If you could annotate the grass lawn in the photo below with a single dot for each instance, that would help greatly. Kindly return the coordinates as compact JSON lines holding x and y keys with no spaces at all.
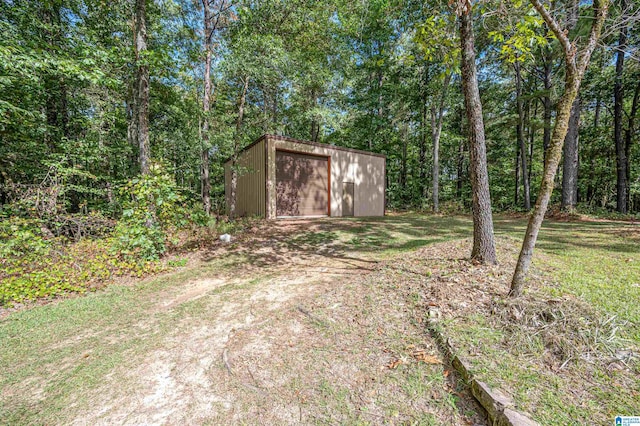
{"x":567,"y":351}
{"x":293,"y":319}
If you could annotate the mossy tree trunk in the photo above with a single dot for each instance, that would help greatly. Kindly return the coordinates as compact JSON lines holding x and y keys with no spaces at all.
{"x":575,"y":66}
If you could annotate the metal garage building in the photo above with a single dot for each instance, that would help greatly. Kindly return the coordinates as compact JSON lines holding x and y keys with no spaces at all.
{"x":284,"y":177}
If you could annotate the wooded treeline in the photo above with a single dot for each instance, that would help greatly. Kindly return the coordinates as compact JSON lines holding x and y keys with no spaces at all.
{"x":76,"y":77}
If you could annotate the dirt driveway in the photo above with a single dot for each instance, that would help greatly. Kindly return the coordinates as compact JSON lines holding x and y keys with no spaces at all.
{"x":289,"y":324}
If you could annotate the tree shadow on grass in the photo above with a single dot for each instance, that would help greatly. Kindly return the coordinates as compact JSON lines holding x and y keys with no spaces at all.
{"x":359,"y":242}
{"x":560,"y":236}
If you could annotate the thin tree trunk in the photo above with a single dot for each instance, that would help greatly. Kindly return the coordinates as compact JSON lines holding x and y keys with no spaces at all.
{"x":516,"y":196}
{"x":575,"y":66}
{"x":422,"y":154}
{"x":403,"y":160}
{"x":546,"y":102}
{"x":54,"y":86}
{"x":132,"y":113}
{"x":204,"y":153}
{"x":570,"y":163}
{"x":484,"y":250}
{"x":236,"y":149}
{"x":622,"y":161}
{"x":437,"y":116}
{"x":461,"y":157}
{"x":142,"y":87}
{"x":631,"y":128}
{"x":522,"y":145}
{"x":532,"y":136}
{"x":436,"y":128}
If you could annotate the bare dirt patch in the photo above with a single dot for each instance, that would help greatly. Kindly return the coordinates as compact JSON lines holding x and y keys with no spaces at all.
{"x":305,"y":334}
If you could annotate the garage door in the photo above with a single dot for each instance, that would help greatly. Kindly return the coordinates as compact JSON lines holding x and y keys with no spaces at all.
{"x":302,"y":184}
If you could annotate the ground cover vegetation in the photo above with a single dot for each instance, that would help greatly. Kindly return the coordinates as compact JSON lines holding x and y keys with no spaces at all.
{"x":323,"y":321}
{"x":116,"y":117}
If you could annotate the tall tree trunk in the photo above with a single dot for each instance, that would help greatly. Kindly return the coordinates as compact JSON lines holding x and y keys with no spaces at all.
{"x":522,"y":144}
{"x":516,"y":192}
{"x":403,"y":160}
{"x":484,"y":250}
{"x":142,"y":87}
{"x":575,"y":66}
{"x":422,"y":154}
{"x":437,"y":116}
{"x":570,"y":163}
{"x":204,"y":152}
{"x":532,"y":137}
{"x":236,"y":148}
{"x":436,"y":128}
{"x":460,"y":169}
{"x":631,"y":128}
{"x":622,"y":161}
{"x":132,"y":115}
{"x":55,"y":90}
{"x":546,"y":101}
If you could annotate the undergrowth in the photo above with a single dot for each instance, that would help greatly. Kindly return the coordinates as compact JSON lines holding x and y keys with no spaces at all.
{"x":157,"y":220}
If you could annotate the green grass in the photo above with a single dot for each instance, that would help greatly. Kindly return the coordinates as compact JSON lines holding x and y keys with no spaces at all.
{"x":62,"y":350}
{"x":599,"y":262}
{"x":594,"y":262}
{"x":52,"y":355}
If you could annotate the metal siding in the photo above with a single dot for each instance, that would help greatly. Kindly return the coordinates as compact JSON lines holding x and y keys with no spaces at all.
{"x":227,"y":186}
{"x":250,"y":193}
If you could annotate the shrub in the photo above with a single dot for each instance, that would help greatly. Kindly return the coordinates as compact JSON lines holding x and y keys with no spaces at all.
{"x":153,"y":206}
{"x":19,"y":236}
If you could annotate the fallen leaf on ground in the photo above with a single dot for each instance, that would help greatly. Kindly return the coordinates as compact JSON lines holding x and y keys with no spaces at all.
{"x":394,"y":364}
{"x":424,"y":357}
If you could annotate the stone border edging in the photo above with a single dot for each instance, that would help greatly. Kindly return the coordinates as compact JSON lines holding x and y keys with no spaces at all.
{"x":499,"y":406}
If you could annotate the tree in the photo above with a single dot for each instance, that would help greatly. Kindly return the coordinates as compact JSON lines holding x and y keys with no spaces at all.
{"x":437,"y":38}
{"x":570,"y":160}
{"x":213,"y":17}
{"x":571,"y":145}
{"x":484,"y":250}
{"x":237,"y":135}
{"x":522,"y":145}
{"x":622,"y":161}
{"x":142,"y":86}
{"x":204,"y":175}
{"x":576,"y":63}
{"x":437,"y":117}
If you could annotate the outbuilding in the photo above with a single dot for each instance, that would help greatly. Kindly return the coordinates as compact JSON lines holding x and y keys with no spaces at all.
{"x":282,"y":177}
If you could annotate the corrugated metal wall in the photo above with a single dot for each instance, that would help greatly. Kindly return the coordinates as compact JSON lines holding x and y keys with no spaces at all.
{"x":251,"y":182}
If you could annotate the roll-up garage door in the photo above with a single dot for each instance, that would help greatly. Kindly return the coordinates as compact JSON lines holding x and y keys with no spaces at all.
{"x":302,"y":184}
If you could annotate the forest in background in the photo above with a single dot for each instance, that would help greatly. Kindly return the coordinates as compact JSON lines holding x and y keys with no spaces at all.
{"x":115,"y":116}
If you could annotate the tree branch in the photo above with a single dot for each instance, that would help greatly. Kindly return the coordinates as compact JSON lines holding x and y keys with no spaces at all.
{"x":600,"y":9}
{"x":567,"y":47}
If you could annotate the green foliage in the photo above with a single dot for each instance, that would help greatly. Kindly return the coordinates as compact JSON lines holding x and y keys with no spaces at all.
{"x":28,"y":269}
{"x":152,"y":207}
{"x":436,"y":36}
{"x":363,"y":75}
{"x":522,"y":34}
{"x":20,"y":237}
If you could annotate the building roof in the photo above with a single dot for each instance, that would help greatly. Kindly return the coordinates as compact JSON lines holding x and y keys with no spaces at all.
{"x":318,"y":144}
